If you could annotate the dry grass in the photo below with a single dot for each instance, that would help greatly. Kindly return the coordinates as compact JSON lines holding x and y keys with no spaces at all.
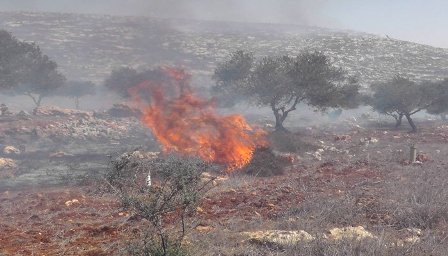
{"x":354,"y":185}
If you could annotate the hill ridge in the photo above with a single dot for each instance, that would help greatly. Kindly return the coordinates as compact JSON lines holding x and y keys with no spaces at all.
{"x":89,"y":46}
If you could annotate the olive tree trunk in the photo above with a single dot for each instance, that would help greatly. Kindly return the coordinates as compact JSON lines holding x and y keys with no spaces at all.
{"x":399,"y":120}
{"x":279,"y":119}
{"x":37,"y":100}
{"x":77,"y":102}
{"x":281,"y":113}
{"x":411,"y":122}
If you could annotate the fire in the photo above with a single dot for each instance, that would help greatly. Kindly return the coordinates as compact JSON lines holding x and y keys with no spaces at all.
{"x":185,"y":123}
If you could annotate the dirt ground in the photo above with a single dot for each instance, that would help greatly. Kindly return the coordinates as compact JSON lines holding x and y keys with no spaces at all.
{"x":353,"y":175}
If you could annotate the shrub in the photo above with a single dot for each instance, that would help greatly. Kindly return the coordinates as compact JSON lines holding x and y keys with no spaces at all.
{"x":166,"y":204}
{"x":265,"y":163}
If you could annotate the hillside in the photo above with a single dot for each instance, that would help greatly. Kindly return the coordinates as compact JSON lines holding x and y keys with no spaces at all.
{"x":90,"y":46}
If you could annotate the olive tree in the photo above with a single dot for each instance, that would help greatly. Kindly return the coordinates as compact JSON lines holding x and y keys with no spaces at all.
{"x":120,"y":80}
{"x":230,"y":74}
{"x":24,"y":69}
{"x":13,"y":56}
{"x":77,"y":90}
{"x":440,"y":107}
{"x":281,"y":83}
{"x":400,"y":97}
{"x":123,"y":79}
{"x":43,"y":80}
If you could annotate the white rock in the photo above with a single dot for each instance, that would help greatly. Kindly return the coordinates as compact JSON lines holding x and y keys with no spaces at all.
{"x":9,"y":150}
{"x":7,"y":163}
{"x":278,"y":237}
{"x":356,"y":233}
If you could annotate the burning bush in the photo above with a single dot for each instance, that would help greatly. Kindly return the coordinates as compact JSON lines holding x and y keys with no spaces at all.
{"x":187,"y":124}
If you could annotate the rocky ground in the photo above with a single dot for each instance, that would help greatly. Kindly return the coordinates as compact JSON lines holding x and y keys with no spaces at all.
{"x":348,"y":189}
{"x":60,"y":145}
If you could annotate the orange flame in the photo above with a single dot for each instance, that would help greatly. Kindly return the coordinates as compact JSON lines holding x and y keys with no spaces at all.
{"x":190,"y":125}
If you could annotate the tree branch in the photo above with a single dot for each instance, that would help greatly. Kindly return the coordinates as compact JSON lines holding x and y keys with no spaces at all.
{"x":293,"y":107}
{"x":32,"y":97}
{"x":418,"y":110}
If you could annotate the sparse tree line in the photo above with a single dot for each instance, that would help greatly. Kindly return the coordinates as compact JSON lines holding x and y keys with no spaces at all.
{"x":281,"y":82}
{"x":25,"y":70}
{"x":278,"y":82}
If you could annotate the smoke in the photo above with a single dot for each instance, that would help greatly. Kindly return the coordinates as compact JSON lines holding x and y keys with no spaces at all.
{"x":271,"y":11}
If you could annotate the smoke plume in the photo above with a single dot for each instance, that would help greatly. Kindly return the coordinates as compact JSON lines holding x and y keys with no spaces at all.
{"x":271,"y":11}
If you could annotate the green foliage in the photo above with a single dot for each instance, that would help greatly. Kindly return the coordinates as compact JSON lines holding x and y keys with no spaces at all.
{"x":400,"y":97}
{"x":77,"y":90}
{"x":283,"y":82}
{"x":16,"y":58}
{"x":121,"y":80}
{"x":25,"y":70}
{"x":175,"y":193}
{"x":271,"y":83}
{"x":440,"y":107}
{"x":231,"y":74}
{"x":235,"y":69}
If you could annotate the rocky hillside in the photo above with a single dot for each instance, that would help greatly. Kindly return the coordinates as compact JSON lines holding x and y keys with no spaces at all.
{"x":89,"y":46}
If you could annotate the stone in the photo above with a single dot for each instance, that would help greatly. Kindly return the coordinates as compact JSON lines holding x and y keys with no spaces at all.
{"x":343,"y":138}
{"x":7,"y":163}
{"x":216,"y":180}
{"x":199,"y":210}
{"x":72,"y":202}
{"x":316,"y":155}
{"x":368,"y":140}
{"x":357,"y":233}
{"x":204,"y":228}
{"x":59,"y":154}
{"x":4,"y":110}
{"x":56,"y":111}
{"x":278,"y":237}
{"x":23,"y":115}
{"x":422,"y":157}
{"x":413,"y":236}
{"x":11,"y":150}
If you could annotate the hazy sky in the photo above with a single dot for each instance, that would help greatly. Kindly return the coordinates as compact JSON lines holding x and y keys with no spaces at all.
{"x":423,"y":21}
